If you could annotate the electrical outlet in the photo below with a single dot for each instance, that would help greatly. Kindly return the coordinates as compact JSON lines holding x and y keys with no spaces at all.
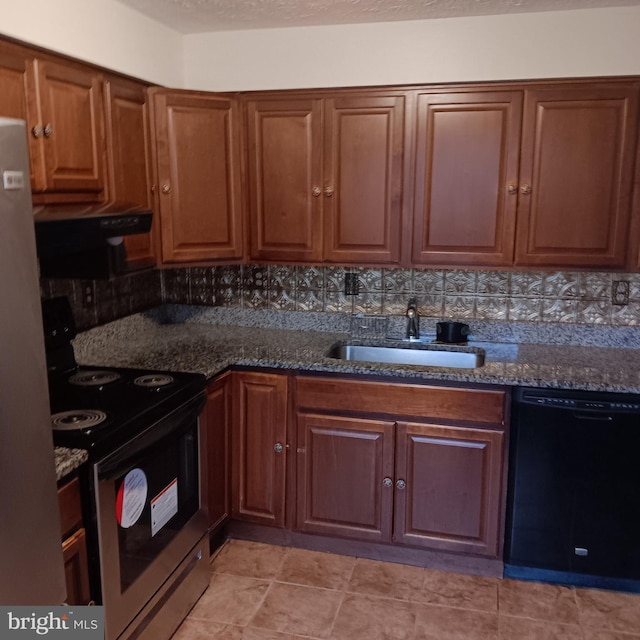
{"x":351,"y":284}
{"x":620,"y":292}
{"x":88,"y":294}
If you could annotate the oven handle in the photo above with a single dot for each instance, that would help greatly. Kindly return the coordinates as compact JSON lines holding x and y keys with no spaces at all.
{"x":172,"y":425}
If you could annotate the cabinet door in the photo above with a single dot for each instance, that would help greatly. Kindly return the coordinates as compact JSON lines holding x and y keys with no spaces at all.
{"x":198,"y":157}
{"x":259,"y":448}
{"x":449,"y":488}
{"x":76,"y":568}
{"x":128,"y":161}
{"x":285,"y":165}
{"x":576,"y":176}
{"x":74,"y":544}
{"x":218,"y":416}
{"x":73,"y":120}
{"x":18,"y":100}
{"x":362,"y":178}
{"x":345,"y":471}
{"x":466,"y":178}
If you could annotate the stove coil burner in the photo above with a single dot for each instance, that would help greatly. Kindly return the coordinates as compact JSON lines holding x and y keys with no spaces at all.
{"x":94,"y":378}
{"x":77,"y":419}
{"x":153,"y":380}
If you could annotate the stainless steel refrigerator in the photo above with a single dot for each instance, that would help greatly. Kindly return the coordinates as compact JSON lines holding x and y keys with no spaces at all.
{"x":31,"y":565}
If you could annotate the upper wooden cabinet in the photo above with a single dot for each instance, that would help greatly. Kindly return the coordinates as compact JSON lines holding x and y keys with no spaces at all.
{"x":539,"y":177}
{"x":71,"y":129}
{"x":197,"y":144}
{"x":467,"y":152}
{"x":17,"y":99}
{"x":62,"y":105}
{"x":576,"y":175}
{"x":285,"y":178}
{"x":325,"y":177}
{"x":128,"y":159}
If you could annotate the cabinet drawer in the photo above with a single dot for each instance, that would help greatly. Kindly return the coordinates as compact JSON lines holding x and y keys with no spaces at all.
{"x":70,"y":509}
{"x":407,"y":400}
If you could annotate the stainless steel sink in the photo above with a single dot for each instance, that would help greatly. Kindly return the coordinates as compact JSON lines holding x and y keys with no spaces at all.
{"x":424,"y":356}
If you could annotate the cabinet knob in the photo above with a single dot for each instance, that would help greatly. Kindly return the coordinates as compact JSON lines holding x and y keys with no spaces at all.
{"x":512,"y":189}
{"x":278,"y":448}
{"x":387,"y":482}
{"x":154,"y":188}
{"x":166,"y":188}
{"x":48,"y":130}
{"x":401,"y":484}
{"x":37,"y":131}
{"x":328,"y":192}
{"x":316,"y":191}
{"x":525,"y":189}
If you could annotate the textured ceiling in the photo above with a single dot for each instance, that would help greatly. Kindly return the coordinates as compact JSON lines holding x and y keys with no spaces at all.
{"x":194,"y":16}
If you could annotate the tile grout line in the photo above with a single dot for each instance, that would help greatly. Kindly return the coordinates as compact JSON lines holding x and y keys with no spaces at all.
{"x":268,"y":589}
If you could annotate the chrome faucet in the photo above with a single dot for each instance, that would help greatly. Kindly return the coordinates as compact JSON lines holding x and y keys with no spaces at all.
{"x":413,"y":320}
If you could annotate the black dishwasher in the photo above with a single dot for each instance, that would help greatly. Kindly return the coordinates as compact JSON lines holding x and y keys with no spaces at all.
{"x":573,"y":508}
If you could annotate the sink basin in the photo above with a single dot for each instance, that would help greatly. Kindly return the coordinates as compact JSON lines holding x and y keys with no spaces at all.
{"x":424,"y":357}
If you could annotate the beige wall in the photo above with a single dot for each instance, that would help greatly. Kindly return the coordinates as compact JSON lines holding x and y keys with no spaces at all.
{"x":537,"y":45}
{"x":103,"y":32}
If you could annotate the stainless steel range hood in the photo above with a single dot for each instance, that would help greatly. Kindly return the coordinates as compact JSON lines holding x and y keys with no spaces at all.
{"x":79,"y":241}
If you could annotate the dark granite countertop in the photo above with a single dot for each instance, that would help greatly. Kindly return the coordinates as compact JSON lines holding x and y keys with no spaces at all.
{"x":67,"y":460}
{"x":208,"y":340}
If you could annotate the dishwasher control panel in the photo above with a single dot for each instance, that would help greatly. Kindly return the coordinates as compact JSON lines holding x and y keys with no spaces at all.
{"x":580,"y":400}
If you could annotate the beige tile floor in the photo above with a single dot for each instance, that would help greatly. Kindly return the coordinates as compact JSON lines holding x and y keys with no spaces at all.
{"x":265,"y":592}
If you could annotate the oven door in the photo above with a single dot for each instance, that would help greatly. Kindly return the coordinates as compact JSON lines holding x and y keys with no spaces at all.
{"x":149,"y":512}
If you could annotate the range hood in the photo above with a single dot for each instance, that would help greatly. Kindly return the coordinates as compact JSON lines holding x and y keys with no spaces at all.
{"x":79,"y":241}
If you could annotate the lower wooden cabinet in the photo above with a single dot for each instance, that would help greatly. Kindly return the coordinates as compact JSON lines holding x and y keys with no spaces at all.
{"x":76,"y":568}
{"x":408,"y":464}
{"x":448,"y":487}
{"x":366,"y":471}
{"x":259,"y":446}
{"x":74,"y":545}
{"x":341,"y":466}
{"x":218,"y":417}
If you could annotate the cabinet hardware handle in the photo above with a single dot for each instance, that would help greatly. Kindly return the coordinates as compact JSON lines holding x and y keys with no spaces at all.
{"x":401,"y":484}
{"x":166,"y":189}
{"x":154,"y":188}
{"x":316,"y":191}
{"x":48,"y":130}
{"x":328,"y":192}
{"x":387,"y":482}
{"x":278,"y":448}
{"x":37,"y":131}
{"x":525,"y":189}
{"x":512,"y":189}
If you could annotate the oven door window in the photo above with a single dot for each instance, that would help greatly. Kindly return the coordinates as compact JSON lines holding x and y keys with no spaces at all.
{"x":156,"y":494}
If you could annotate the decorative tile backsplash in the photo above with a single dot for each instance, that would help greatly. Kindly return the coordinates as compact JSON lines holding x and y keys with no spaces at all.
{"x":568,"y":297}
{"x":114,"y":299}
{"x":529,"y":296}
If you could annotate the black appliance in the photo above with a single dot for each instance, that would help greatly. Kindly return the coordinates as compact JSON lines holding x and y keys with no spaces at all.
{"x":573,"y":512}
{"x":80,"y":241}
{"x":452,"y":332}
{"x":142,"y":489}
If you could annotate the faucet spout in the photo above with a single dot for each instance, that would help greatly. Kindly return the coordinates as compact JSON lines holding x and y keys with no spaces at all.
{"x":413,"y":320}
